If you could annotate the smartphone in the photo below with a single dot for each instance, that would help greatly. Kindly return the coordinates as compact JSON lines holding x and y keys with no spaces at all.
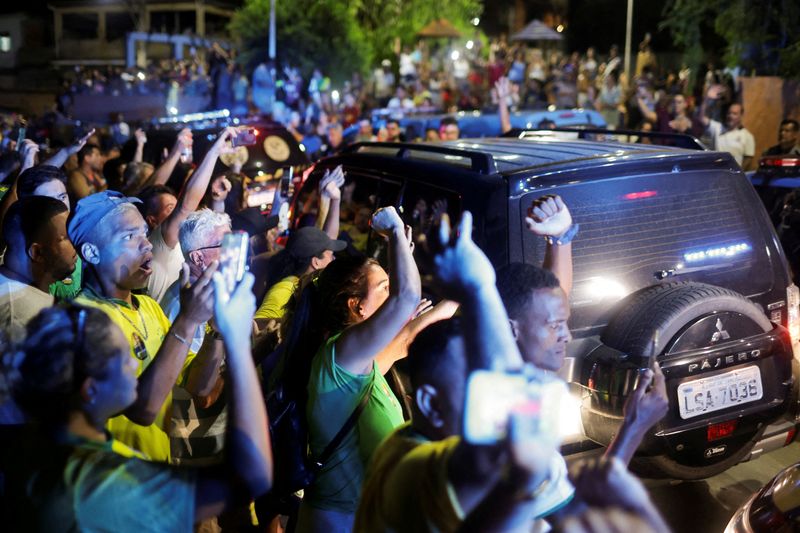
{"x":286,"y":181}
{"x":246,"y":137}
{"x":493,"y":396}
{"x":233,"y":258}
{"x":20,"y":137}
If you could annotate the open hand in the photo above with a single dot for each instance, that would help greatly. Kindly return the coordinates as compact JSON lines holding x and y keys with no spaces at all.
{"x":183,"y":141}
{"x":197,"y":299}
{"x":548,"y":216}
{"x":79,"y":143}
{"x":27,"y":152}
{"x":233,"y":312}
{"x":330,"y":186}
{"x":141,"y":137}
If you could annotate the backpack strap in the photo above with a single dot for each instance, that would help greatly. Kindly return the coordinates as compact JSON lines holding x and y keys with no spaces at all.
{"x":346,"y":428}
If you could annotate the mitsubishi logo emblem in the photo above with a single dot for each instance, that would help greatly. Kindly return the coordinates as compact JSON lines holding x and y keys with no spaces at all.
{"x":720,"y":334}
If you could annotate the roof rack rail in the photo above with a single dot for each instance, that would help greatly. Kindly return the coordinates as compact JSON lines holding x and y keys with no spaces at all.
{"x":480,"y":162}
{"x":679,"y":140}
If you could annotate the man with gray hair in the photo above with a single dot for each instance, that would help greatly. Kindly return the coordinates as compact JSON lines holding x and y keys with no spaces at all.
{"x":197,"y":429}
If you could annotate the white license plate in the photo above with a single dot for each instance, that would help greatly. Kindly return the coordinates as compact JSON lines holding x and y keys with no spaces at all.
{"x":711,"y":394}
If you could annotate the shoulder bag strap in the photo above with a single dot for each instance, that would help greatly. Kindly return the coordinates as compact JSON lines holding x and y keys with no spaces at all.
{"x":346,"y":428}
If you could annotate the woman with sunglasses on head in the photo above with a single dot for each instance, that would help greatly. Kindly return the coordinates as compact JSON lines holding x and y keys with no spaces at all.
{"x":68,"y":474}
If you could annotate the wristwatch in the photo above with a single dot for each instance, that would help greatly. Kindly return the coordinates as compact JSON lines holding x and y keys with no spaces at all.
{"x":565,"y":238}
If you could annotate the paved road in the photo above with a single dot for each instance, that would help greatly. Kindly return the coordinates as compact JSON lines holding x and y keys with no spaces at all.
{"x":706,"y":506}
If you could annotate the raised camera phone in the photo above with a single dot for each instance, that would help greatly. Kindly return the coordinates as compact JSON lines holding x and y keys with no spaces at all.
{"x":493,"y":396}
{"x":246,"y":137}
{"x":233,"y":258}
{"x":286,"y":181}
{"x":20,"y":137}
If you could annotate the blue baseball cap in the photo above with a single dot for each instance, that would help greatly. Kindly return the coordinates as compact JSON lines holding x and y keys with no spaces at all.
{"x":90,"y":210}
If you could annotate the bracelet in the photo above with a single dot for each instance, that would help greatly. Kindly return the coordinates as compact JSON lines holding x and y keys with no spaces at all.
{"x":565,"y":238}
{"x":184,"y":341}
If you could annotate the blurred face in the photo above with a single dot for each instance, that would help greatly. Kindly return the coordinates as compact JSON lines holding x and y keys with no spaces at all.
{"x":393,"y":131}
{"x":57,"y":253}
{"x":377,"y":292}
{"x":787,"y":135}
{"x":335,"y":136}
{"x":116,"y":390}
{"x":734,"y":116}
{"x":95,"y":160}
{"x":679,"y":102}
{"x":542,"y":332}
{"x":361,"y":221}
{"x":431,"y":135}
{"x":53,"y":189}
{"x":164,"y":204}
{"x":125,"y":254}
{"x":450,"y":133}
{"x":364,"y":128}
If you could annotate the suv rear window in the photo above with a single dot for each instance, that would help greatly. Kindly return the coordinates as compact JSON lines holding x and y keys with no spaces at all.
{"x":699,"y":225}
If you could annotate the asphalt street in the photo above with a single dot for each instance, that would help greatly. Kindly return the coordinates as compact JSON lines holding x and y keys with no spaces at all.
{"x":706,"y":506}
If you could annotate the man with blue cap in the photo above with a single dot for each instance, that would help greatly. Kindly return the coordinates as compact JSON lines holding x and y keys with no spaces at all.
{"x":110,"y":235}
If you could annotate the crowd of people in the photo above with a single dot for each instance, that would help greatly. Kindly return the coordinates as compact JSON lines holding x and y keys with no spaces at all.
{"x":140,"y":390}
{"x":322,"y":391}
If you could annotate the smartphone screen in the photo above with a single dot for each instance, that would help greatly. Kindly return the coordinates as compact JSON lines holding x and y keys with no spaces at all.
{"x":286,"y":181}
{"x":233,"y":258}
{"x":245,"y":138}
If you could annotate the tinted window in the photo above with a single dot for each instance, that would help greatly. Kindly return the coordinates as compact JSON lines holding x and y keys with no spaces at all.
{"x":699,"y":225}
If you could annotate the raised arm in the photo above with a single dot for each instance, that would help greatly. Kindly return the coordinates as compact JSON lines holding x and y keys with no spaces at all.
{"x":160,"y":376}
{"x":165,"y":169}
{"x":490,"y":500}
{"x":61,"y":157}
{"x":360,"y":344}
{"x":27,"y":154}
{"x":330,"y":193}
{"x":549,"y":217}
{"x":195,"y":188}
{"x":503,"y":90}
{"x":247,"y":443}
{"x":643,"y":409}
{"x":141,"y":139}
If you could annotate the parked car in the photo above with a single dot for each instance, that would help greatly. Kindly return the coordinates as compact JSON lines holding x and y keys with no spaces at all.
{"x":676,"y":261}
{"x":775,"y":508}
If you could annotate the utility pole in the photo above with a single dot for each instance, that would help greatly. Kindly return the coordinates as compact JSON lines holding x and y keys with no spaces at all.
{"x":628,"y":29}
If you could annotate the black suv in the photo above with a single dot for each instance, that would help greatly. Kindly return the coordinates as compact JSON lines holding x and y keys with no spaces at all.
{"x":675,"y":261}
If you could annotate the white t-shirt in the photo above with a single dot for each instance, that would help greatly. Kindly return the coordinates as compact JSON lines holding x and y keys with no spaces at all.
{"x":166,"y":265}
{"x":19,"y":303}
{"x":739,"y":142}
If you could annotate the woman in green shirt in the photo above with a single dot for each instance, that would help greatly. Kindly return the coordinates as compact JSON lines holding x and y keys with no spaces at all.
{"x":345,"y":331}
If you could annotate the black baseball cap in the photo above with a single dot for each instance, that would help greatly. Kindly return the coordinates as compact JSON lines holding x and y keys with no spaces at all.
{"x":310,"y":242}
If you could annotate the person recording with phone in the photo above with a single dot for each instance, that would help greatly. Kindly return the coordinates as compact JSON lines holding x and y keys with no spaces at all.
{"x":68,"y":474}
{"x":110,"y":235}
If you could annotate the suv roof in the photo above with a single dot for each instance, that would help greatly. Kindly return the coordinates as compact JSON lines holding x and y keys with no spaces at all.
{"x":492,"y":156}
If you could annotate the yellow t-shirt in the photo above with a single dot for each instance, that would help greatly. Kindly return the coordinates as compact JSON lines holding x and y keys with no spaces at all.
{"x":274,"y":304}
{"x":151,"y":325}
{"x":407,"y":489}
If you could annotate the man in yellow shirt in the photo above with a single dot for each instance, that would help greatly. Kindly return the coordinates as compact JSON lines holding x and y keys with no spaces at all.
{"x":111,"y":237}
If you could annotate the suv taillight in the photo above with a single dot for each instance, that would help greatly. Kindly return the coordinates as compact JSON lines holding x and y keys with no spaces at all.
{"x":780,"y":162}
{"x":793,"y":317}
